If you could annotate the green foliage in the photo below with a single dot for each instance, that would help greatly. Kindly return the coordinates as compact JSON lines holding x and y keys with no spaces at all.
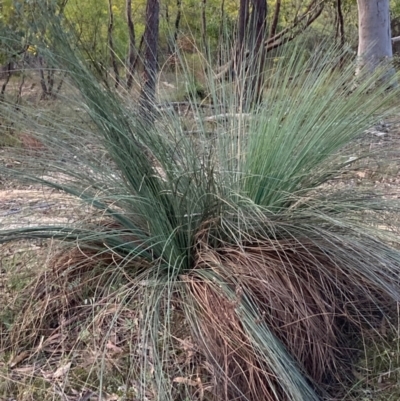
{"x":90,"y":19}
{"x":252,"y":242}
{"x":12,"y":33}
{"x":394,"y":8}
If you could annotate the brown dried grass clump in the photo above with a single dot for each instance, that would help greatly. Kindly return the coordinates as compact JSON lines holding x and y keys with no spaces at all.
{"x":103,"y":336}
{"x":313,"y":306}
{"x":238,"y":372}
{"x":57,"y":297}
{"x":308,"y":302}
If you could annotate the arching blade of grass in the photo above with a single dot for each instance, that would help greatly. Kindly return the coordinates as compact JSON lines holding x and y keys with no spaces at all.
{"x":251,"y":245}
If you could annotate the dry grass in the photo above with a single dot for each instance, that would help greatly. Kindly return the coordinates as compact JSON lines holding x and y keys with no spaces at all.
{"x":310,"y":305}
{"x":79,"y":332}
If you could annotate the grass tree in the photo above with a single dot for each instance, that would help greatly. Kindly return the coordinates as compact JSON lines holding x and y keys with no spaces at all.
{"x":244,"y":266}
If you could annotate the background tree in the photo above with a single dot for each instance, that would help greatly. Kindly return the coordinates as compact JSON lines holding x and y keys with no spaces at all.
{"x":299,"y":20}
{"x":13,"y":44}
{"x":340,"y":23}
{"x":147,"y":96}
{"x":177,"y":20}
{"x":204,"y":27}
{"x":132,"y":53}
{"x":110,"y":30}
{"x":275,"y":19}
{"x":250,"y":53}
{"x":374,"y":39}
{"x":187,"y":27}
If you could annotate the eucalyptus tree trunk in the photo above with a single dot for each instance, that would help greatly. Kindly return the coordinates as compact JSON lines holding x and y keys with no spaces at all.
{"x":132,"y":54}
{"x":374,"y":35}
{"x":340,"y":23}
{"x":110,"y":30}
{"x":275,"y":19}
{"x":177,"y":22}
{"x":305,"y":18}
{"x":7,"y":70}
{"x":204,"y":28}
{"x":47,"y":83}
{"x":147,"y":96}
{"x":257,"y":37}
{"x":242,"y":24}
{"x":251,"y":52}
{"x":340,"y":35}
{"x":221,"y":36}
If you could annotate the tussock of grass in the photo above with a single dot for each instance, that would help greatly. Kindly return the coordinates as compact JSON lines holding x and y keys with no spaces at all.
{"x":230,"y":268}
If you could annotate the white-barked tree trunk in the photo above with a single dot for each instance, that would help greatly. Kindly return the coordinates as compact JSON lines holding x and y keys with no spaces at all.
{"x":374,"y":34}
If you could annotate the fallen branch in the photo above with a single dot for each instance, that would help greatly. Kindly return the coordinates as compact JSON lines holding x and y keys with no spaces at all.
{"x":178,"y":105}
{"x":224,"y":116}
{"x":396,"y":39}
{"x":200,"y":133}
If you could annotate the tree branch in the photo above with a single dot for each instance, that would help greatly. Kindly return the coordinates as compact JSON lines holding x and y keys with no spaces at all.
{"x":312,"y":12}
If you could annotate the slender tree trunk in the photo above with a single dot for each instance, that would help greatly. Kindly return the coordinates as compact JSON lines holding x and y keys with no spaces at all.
{"x":204,"y":27}
{"x":222,"y":35}
{"x":111,"y":43}
{"x":240,"y":51}
{"x":170,"y":39}
{"x":8,"y":72}
{"x":147,"y":97}
{"x":132,"y":45}
{"x":45,"y":92}
{"x":340,"y":23}
{"x":60,"y":84}
{"x":50,"y":81}
{"x":139,"y":51}
{"x":250,"y":58}
{"x":242,"y":26}
{"x":258,"y":35}
{"x":340,"y":35}
{"x":275,"y":19}
{"x":375,"y":45}
{"x":22,"y":83}
{"x":19,"y":95}
{"x":177,"y":20}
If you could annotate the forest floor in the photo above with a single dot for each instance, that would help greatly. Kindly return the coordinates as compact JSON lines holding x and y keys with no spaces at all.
{"x":26,"y":376}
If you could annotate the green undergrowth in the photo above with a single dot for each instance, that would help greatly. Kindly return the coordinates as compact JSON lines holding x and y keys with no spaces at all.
{"x":376,"y":374}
